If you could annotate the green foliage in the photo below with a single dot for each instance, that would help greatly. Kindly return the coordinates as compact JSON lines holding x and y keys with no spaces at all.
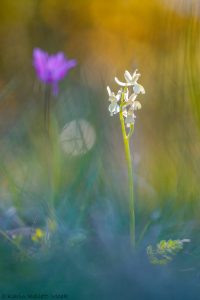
{"x":164,"y":251}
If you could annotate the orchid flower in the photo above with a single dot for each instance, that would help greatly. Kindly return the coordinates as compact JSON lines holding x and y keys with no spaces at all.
{"x":114,"y":107}
{"x":131,"y":80}
{"x":130,"y":119}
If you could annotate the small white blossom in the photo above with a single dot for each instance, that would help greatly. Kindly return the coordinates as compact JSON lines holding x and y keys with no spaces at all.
{"x":114,"y":99}
{"x":130,"y":119}
{"x":131,"y":80}
{"x":138,"y":88}
{"x":132,"y":97}
{"x":113,"y":108}
{"x":136,"y":105}
{"x":112,"y":96}
{"x":129,"y":100}
{"x":129,"y":116}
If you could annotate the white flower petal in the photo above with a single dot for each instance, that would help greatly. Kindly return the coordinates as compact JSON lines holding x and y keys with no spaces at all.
{"x":133,"y":97}
{"x":117,"y":109}
{"x":113,"y":108}
{"x":126,"y":96}
{"x":112,"y":98}
{"x":118,"y":96}
{"x":135,"y":78}
{"x":136,"y":105}
{"x":138,"y":88}
{"x":130,"y":119}
{"x":124,"y":112}
{"x":121,"y":83}
{"x":127,"y":76}
{"x":135,"y":72}
{"x":109,"y":90}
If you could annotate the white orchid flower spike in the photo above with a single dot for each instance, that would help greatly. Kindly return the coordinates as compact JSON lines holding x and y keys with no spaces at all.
{"x":125,"y":103}
{"x":128,"y":103}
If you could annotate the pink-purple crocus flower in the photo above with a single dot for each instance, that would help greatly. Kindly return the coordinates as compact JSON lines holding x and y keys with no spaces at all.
{"x":50,"y":69}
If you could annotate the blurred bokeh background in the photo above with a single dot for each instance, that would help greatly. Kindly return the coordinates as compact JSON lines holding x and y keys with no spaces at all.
{"x":83,"y":172}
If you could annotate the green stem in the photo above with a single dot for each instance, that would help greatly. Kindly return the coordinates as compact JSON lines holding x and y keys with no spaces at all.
{"x":146,"y":227}
{"x":130,"y":176}
{"x":50,"y":153}
{"x":47,"y":99}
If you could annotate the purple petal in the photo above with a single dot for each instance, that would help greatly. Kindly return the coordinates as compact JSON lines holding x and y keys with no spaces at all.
{"x":40,"y":59}
{"x":63,"y":67}
{"x":55,"y":61}
{"x":71,"y":63}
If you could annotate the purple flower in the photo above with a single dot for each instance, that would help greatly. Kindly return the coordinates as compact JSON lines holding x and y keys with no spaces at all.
{"x":51,"y":68}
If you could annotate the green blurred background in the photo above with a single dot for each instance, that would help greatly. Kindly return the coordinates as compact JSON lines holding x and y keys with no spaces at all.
{"x":87,"y":179}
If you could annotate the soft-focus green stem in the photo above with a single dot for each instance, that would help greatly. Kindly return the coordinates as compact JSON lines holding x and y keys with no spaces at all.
{"x":47,"y":99}
{"x":49,"y":153}
{"x":146,"y":227}
{"x":130,"y":177}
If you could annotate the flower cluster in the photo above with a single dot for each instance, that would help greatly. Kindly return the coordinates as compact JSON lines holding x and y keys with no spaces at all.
{"x":164,"y":251}
{"x":125,"y":101}
{"x":38,"y":235}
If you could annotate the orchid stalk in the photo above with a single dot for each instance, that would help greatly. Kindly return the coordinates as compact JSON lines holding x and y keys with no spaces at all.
{"x":126,"y":106}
